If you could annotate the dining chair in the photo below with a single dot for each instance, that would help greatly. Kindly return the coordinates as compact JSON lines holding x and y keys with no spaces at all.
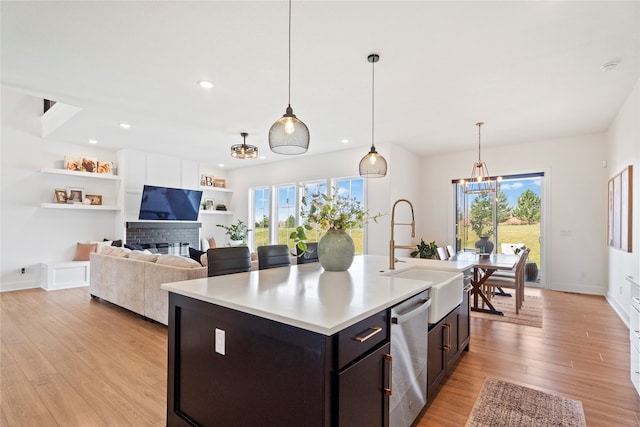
{"x":228,"y":260}
{"x":272,"y":256}
{"x":515,"y":281}
{"x":442,"y":253}
{"x":451,"y":251}
{"x":310,"y":255}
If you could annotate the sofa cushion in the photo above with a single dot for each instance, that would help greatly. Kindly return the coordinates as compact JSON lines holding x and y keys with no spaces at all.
{"x":83,"y":250}
{"x":144,"y":256}
{"x":102,"y":245}
{"x":177,"y":261}
{"x":115,"y":251}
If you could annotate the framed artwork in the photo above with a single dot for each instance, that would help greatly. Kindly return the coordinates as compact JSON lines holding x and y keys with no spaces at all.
{"x":105,"y":167}
{"x":89,"y":165}
{"x":620,"y":220}
{"x":206,"y":180}
{"x":210,"y":204}
{"x":220,"y":183}
{"x":75,"y":194}
{"x":61,"y":195}
{"x":96,"y":199}
{"x":72,"y":163}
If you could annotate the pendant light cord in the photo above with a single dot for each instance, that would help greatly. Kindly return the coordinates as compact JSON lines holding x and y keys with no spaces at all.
{"x":289,"y":96}
{"x":373,"y":87}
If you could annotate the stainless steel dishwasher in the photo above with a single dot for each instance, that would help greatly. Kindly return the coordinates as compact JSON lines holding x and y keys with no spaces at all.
{"x":409,"y":354}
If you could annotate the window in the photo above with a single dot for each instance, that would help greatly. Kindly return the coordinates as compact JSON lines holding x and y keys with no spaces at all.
{"x":274,"y":223}
{"x":287,"y":213}
{"x":261,"y":216}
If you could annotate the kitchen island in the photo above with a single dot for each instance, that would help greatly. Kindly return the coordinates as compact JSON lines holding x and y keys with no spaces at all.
{"x":287,"y":346}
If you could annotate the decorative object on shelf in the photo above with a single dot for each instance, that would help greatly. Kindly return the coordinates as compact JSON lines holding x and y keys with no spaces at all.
{"x":209,"y":204}
{"x":425,"y":250}
{"x":221,"y":207}
{"x":89,"y":165}
{"x":219,"y":183}
{"x":289,"y":135}
{"x":620,"y":210}
{"x":72,"y":163}
{"x":335,"y":214}
{"x":75,"y":195}
{"x":373,"y":165}
{"x":237,"y":232}
{"x":244,"y":151}
{"x":94,"y":199}
{"x":480,"y":181}
{"x":61,"y":195}
{"x":206,"y":180}
{"x":105,"y":167}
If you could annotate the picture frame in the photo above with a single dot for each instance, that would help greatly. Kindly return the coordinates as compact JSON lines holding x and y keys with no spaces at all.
{"x":105,"y":168}
{"x":210,"y":204}
{"x":75,"y":195}
{"x":206,"y":180}
{"x":72,"y":163}
{"x":96,"y":199}
{"x":620,"y":203}
{"x":219,"y":183}
{"x":60,"y":195}
{"x":89,"y":164}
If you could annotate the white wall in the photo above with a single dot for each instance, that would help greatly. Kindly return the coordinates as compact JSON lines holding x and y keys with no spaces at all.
{"x":623,"y":144}
{"x":31,"y":234}
{"x":574,"y":203}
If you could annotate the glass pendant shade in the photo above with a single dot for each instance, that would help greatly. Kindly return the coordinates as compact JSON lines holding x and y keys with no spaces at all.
{"x":480,"y":181}
{"x":288,"y":135}
{"x":373,"y":165}
{"x":244,"y":151}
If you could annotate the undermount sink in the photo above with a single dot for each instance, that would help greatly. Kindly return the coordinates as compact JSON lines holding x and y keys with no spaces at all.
{"x":446,"y":289}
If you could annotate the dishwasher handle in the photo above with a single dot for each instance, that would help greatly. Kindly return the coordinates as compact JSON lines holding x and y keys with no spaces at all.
{"x":424,"y":304}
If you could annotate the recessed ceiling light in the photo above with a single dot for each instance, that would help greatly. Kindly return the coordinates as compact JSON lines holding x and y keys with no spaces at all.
{"x":344,"y":141}
{"x":221,"y":165}
{"x":125,"y":125}
{"x":262,"y":157}
{"x":205,"y":84}
{"x":609,"y":66}
{"x":93,"y":141}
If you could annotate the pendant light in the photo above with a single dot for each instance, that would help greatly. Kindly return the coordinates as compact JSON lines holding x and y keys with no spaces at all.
{"x":373,"y":165}
{"x":244,"y":151}
{"x":480,"y":181}
{"x":289,"y":135}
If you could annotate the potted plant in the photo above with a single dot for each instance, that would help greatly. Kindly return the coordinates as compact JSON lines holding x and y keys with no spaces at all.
{"x":237,"y":232}
{"x":334,"y":214}
{"x":425,"y":250}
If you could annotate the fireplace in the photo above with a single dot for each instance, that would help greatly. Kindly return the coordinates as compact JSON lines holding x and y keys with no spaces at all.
{"x":165,"y":237}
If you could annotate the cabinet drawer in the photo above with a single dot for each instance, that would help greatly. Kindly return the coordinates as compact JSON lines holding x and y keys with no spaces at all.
{"x":362,"y":337}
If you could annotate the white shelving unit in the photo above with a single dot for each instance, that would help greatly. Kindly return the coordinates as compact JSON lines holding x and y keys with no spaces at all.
{"x":223,"y":192}
{"x":218,"y":189}
{"x":205,"y":212}
{"x":82,"y":175}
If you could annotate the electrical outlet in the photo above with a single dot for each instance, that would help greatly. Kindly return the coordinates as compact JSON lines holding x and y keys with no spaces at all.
{"x":220,"y":341}
{"x":23,"y":270}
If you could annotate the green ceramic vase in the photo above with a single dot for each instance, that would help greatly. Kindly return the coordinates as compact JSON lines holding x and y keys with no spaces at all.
{"x":336,"y":250}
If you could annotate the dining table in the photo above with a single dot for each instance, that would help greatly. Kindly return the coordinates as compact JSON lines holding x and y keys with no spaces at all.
{"x":484,"y":265}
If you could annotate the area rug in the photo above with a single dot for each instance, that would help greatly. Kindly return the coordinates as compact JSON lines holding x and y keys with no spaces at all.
{"x":530,"y":313}
{"x":503,"y":404}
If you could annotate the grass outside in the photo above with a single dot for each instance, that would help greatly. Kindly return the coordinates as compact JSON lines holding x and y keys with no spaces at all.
{"x":261,"y":236}
{"x":527,"y":234}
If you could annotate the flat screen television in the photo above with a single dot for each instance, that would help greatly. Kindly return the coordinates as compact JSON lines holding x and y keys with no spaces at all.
{"x":170,"y":204}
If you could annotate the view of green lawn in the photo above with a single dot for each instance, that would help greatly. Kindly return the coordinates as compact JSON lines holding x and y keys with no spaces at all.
{"x":526,"y":233}
{"x":261,"y":235}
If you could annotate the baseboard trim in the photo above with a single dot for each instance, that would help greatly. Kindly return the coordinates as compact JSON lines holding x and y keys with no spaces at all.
{"x":18,"y":286}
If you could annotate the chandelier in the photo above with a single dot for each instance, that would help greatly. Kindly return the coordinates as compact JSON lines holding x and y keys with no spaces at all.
{"x":480,"y":181}
{"x":244,"y":151}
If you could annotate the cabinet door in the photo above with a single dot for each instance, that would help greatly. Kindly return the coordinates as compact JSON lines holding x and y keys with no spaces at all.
{"x":436,"y":359}
{"x":463,"y":322}
{"x":362,"y":398}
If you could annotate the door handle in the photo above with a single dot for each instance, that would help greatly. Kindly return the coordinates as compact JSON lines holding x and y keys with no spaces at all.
{"x":447,"y":346}
{"x":375,"y":329}
{"x":389,"y":362}
{"x":424,"y":304}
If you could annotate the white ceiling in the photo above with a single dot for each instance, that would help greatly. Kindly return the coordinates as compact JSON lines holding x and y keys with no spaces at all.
{"x":529,"y":69}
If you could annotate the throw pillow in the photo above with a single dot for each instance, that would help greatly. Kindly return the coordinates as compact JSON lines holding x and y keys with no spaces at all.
{"x":195,"y":254}
{"x":83,"y":250}
{"x":144,"y":256}
{"x":177,"y":261}
{"x":212,"y":243}
{"x":116,"y":243}
{"x":134,"y":247}
{"x":102,"y":245}
{"x":204,"y":260}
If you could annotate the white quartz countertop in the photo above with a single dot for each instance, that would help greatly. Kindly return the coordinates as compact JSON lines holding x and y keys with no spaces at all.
{"x":308,"y":297}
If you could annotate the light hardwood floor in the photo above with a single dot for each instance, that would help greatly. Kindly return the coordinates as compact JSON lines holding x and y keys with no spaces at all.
{"x":69,"y":361}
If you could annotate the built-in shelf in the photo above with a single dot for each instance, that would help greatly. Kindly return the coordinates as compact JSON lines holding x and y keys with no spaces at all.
{"x":80,"y":206}
{"x":215,"y":212}
{"x":81,"y":174}
{"x":218,"y":189}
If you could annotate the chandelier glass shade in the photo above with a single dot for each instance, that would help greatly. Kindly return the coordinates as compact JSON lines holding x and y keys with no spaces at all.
{"x":373,"y":165}
{"x":244,"y":151}
{"x":480,"y":181}
{"x":289,"y":135}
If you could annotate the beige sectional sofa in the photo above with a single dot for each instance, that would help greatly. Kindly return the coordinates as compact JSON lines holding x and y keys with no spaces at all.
{"x":132,"y":279}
